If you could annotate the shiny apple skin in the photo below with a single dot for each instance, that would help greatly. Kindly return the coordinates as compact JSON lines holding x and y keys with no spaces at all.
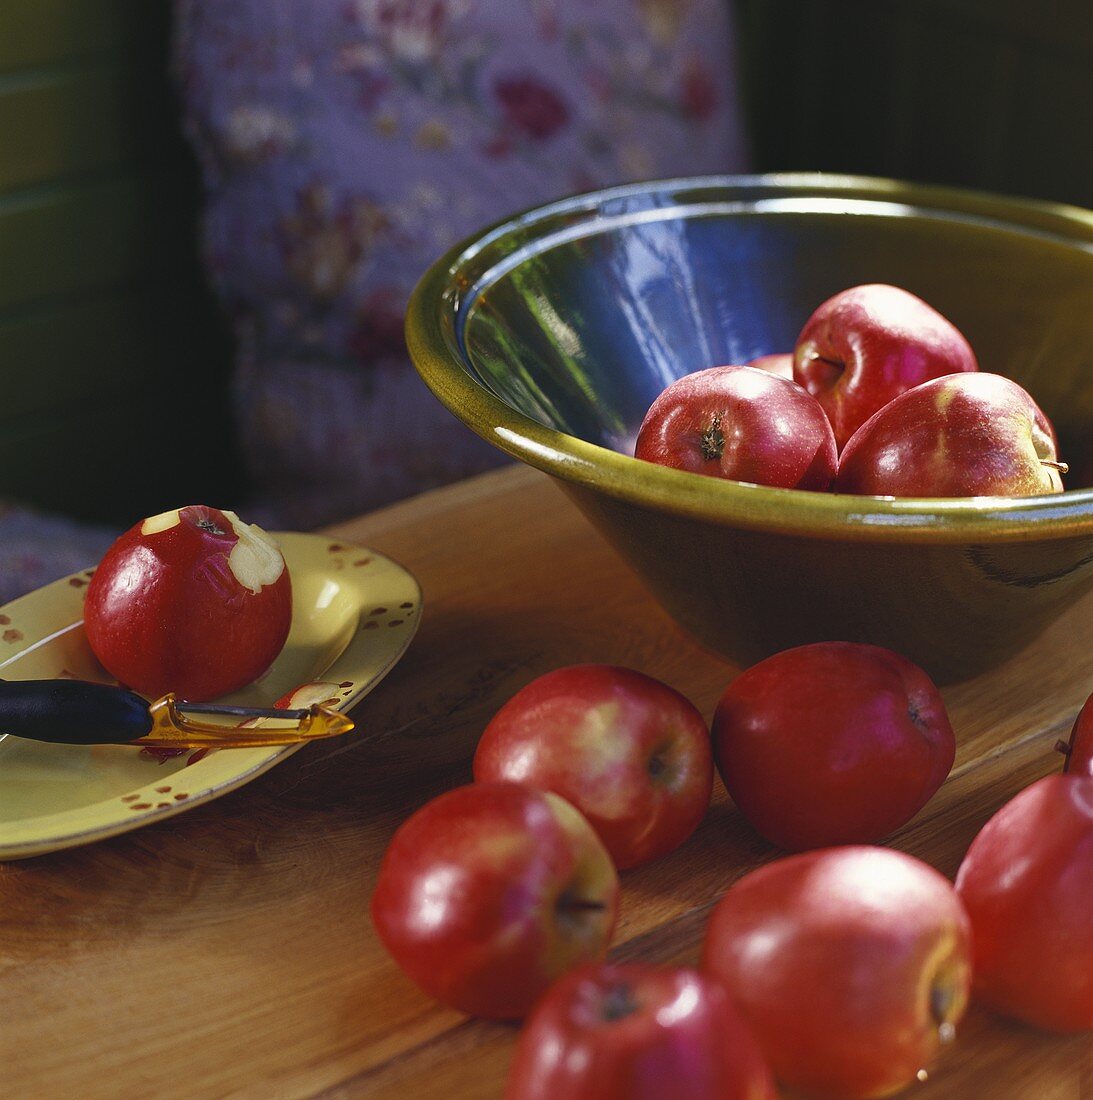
{"x":965,"y":435}
{"x":637,"y":1032}
{"x":867,"y":345}
{"x":631,"y":753}
{"x":853,"y":966}
{"x":1027,"y":883}
{"x":779,"y":363}
{"x":832,"y":743}
{"x":766,"y":429}
{"x":490,"y":892}
{"x":164,"y":612}
{"x":1079,"y":753}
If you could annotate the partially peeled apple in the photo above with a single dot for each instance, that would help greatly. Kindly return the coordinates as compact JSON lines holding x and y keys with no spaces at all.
{"x":193,"y":601}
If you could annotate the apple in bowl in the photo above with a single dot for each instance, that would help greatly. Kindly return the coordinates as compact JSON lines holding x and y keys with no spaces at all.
{"x":779,"y":363}
{"x":964,"y":435}
{"x":865,"y":346}
{"x":743,"y":424}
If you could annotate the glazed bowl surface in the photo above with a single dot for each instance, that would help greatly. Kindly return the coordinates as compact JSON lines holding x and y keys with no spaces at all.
{"x":550,"y":335}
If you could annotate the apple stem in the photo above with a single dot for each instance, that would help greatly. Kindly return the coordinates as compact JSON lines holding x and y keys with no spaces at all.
{"x":571,"y":906}
{"x":568,"y":903}
{"x":713,"y":439}
{"x":619,"y":1002}
{"x":1063,"y":747}
{"x":1062,"y":467}
{"x":941,"y":1003}
{"x":832,"y":370}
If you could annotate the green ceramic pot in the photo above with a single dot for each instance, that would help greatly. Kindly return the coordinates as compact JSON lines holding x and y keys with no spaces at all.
{"x":550,"y":334}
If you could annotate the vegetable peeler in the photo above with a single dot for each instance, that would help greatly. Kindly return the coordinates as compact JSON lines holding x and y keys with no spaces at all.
{"x":80,"y":712}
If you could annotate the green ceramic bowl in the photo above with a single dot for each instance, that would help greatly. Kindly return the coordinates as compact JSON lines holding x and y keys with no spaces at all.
{"x":550,"y":334}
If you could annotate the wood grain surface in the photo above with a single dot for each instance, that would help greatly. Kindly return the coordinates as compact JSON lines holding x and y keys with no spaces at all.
{"x":228,"y":952}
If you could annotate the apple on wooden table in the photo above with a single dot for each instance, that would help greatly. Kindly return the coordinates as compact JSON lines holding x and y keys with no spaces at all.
{"x":491,"y":891}
{"x":832,"y":743}
{"x":1027,"y":883}
{"x":637,"y":1032}
{"x":631,"y":753}
{"x":852,"y":964}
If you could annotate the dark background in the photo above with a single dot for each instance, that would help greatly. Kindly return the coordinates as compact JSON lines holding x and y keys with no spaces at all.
{"x":991,"y":94}
{"x":114,"y":360}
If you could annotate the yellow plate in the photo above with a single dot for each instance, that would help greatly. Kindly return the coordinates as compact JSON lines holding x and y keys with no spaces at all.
{"x":354,"y":613}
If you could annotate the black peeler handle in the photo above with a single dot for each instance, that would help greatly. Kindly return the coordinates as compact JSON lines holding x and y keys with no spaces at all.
{"x":72,"y":712}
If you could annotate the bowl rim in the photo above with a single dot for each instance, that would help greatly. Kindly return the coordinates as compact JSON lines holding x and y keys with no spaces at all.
{"x":433,"y":334}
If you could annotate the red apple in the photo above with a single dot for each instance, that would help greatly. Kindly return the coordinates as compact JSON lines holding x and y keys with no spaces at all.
{"x":490,"y":892}
{"x":637,"y":1032}
{"x":1027,"y":883}
{"x":192,"y":601}
{"x":832,"y":743}
{"x":742,"y":424}
{"x":780,"y":363}
{"x":631,"y":753}
{"x":1079,"y":752}
{"x":867,"y":345}
{"x":852,"y":965}
{"x":966,"y":435}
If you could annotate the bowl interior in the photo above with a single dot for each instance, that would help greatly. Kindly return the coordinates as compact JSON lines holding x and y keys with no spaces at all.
{"x":578,"y":316}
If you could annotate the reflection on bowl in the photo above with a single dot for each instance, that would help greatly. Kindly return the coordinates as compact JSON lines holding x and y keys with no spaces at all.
{"x":551,"y":334}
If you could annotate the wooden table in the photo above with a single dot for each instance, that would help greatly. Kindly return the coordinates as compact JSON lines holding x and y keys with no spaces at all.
{"x":229,"y":952}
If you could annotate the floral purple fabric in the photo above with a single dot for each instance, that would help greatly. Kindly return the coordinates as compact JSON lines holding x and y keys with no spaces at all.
{"x":36,"y":548}
{"x":345,"y":144}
